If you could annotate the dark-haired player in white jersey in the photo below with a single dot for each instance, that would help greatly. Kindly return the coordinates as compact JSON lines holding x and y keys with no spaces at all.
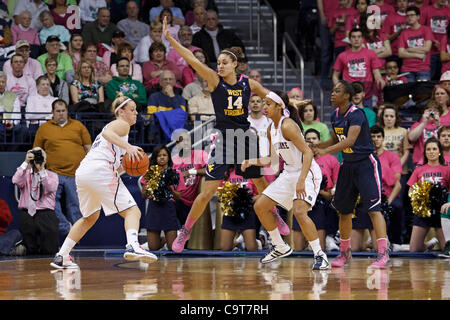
{"x":297,"y":187}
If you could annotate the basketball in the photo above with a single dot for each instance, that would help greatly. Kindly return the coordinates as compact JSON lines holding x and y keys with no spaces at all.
{"x":137,"y":167}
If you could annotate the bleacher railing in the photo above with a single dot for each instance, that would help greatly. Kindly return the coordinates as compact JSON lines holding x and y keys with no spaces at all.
{"x":274,"y":31}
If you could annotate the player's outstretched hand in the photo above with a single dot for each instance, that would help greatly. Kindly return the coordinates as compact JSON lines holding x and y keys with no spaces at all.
{"x":166,"y":31}
{"x":245,"y":164}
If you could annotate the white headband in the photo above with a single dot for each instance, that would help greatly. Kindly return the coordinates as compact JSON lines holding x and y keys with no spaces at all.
{"x":273,"y":96}
{"x":230,"y":53}
{"x":122,"y":104}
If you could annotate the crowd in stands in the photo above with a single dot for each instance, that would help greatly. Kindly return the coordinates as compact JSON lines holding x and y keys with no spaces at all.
{"x":393,"y":51}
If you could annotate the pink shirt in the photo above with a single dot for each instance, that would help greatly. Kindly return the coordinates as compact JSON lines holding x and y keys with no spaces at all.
{"x":415,"y":39}
{"x":329,"y":166}
{"x":445,"y":46}
{"x":197,"y":160}
{"x":429,"y":131}
{"x":29,"y":34}
{"x":385,"y":11}
{"x":447,"y":159}
{"x":357,"y":66}
{"x":433,"y":174}
{"x":22,"y":87}
{"x":49,"y":179}
{"x":150,"y":66}
{"x":236,"y":179}
{"x":437,"y":20}
{"x":32,"y":68}
{"x":343,"y":15}
{"x":376,"y":43}
{"x":175,"y":57}
{"x":390,"y":165}
{"x":444,"y":120}
{"x":391,"y":25}
{"x":329,"y":7}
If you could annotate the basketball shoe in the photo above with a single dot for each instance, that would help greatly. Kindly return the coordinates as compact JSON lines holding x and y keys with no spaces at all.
{"x":277,"y":252}
{"x":281,"y":225}
{"x":180,"y":241}
{"x":446,"y":252}
{"x":343,"y":258}
{"x":63,"y":262}
{"x":382,"y":260}
{"x":138,"y":253}
{"x":321,"y":261}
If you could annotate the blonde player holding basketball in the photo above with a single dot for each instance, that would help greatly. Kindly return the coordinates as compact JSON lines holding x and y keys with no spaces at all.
{"x":99,"y":186}
{"x":297,"y":187}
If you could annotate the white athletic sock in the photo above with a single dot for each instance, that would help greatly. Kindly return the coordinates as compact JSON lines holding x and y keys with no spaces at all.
{"x":315,"y":246}
{"x":446,"y":228}
{"x":132,"y":237}
{"x":276,"y":237}
{"x":67,"y":246}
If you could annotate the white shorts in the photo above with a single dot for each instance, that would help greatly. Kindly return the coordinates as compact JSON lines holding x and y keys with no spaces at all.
{"x":99,"y":186}
{"x":283,"y":189}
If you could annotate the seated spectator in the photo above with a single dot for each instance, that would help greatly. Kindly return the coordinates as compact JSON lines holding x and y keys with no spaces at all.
{"x":193,"y":88}
{"x":444,"y":139}
{"x":188,"y":73}
{"x":32,"y":67}
{"x":434,"y":171}
{"x":23,"y":31}
{"x":131,"y":88}
{"x":166,"y":99}
{"x":134,"y":29}
{"x":10,"y":103}
{"x":34,"y":7}
{"x":213,"y":38}
{"x":201,"y":103}
{"x":391,"y":76}
{"x":74,"y":47}
{"x":391,"y":170}
{"x":308,"y":114}
{"x":158,"y":63}
{"x":110,"y":56}
{"x":178,"y":17}
{"x":58,"y":87}
{"x":445,"y":80}
{"x":85,"y":91}
{"x":100,"y":30}
{"x":256,"y":75}
{"x":38,"y":223}
{"x":199,"y":19}
{"x":101,"y":71}
{"x":190,"y":17}
{"x":39,"y":106}
{"x":385,"y":8}
{"x":424,"y":129}
{"x":10,"y":240}
{"x":185,"y":38}
{"x":358,"y":99}
{"x":89,"y":9}
{"x":173,"y":28}
{"x":18,"y":82}
{"x":126,"y":51}
{"x":64,"y":17}
{"x":445,"y":51}
{"x":414,"y":47}
{"x":353,"y":21}
{"x":441,"y":95}
{"x":296,"y":97}
{"x":65,"y":66}
{"x":242,"y":65}
{"x":141,"y":51}
{"x":49,"y":28}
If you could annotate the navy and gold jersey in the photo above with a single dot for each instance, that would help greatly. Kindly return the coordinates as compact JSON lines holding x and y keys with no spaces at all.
{"x":231,"y":104}
{"x":341,"y":123}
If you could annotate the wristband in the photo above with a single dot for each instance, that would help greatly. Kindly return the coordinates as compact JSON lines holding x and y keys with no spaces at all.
{"x":192,"y":172}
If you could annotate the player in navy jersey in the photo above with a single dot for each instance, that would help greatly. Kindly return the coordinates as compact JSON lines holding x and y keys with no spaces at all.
{"x":360,"y":173}
{"x":230,"y":94}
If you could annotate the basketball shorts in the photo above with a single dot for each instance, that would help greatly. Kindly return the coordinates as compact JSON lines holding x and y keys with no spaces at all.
{"x":283,"y":189}
{"x":100,"y":186}
{"x":232,"y":152}
{"x":358,"y":178}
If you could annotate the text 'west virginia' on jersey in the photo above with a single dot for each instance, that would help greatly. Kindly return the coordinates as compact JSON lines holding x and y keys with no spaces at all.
{"x":341,"y":123}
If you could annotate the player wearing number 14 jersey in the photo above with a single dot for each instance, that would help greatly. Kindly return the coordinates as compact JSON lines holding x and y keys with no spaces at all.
{"x":360,"y":173}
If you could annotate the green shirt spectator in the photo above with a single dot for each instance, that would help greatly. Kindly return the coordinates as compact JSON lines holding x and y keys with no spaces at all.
{"x":65,"y":65}
{"x":308,"y":114}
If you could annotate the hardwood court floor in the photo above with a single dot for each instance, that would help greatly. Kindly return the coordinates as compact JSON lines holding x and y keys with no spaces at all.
{"x":222,"y":278}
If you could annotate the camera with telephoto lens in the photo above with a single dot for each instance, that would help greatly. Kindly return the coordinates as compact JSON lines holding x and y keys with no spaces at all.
{"x":38,"y":157}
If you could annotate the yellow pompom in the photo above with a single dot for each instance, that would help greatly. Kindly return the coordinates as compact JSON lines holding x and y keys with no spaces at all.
{"x":420,"y":198}
{"x":225,"y":195}
{"x":153,"y":177}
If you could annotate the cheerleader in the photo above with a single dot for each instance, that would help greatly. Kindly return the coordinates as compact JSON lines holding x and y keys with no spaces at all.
{"x":435,"y":171}
{"x":161,"y":213}
{"x":297,"y":187}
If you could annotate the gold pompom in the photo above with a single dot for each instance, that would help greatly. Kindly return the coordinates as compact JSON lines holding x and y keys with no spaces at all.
{"x":153,"y":177}
{"x":225,"y":195}
{"x":420,"y":198}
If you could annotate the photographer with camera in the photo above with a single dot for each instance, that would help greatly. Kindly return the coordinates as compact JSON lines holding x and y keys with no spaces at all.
{"x":37,"y":219}
{"x":424,"y":129}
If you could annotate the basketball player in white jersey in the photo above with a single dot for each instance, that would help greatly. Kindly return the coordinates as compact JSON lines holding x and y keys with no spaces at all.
{"x":297,"y":186}
{"x":99,"y":186}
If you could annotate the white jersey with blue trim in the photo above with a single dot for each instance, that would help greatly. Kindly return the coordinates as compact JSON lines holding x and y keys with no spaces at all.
{"x":292,"y":157}
{"x":103,"y":150}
